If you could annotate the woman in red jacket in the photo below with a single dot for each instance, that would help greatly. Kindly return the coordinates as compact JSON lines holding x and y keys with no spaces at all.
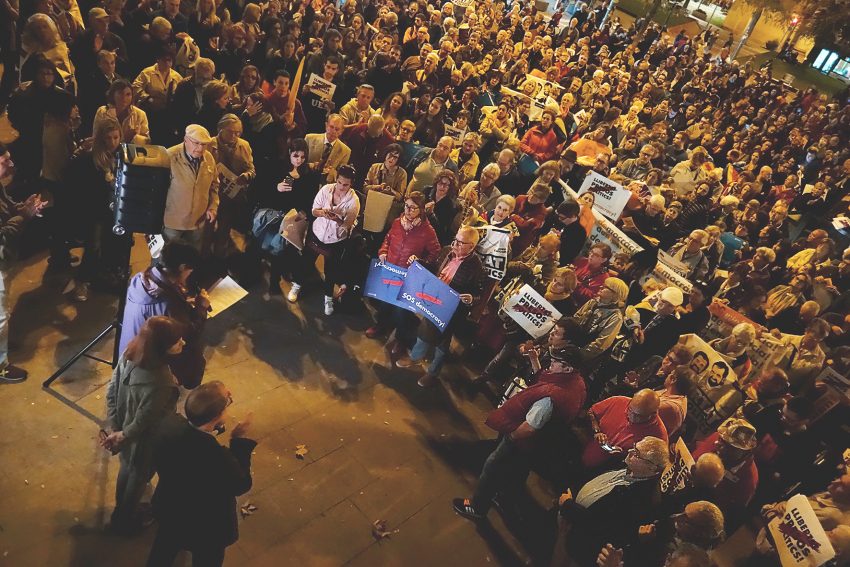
{"x":411,"y":237}
{"x":529,"y":215}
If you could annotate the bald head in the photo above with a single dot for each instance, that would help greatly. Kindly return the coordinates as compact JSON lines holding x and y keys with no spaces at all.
{"x":644,"y":406}
{"x":708,"y":470}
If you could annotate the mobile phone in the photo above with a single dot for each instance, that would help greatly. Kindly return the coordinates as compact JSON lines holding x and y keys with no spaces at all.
{"x":611,"y":449}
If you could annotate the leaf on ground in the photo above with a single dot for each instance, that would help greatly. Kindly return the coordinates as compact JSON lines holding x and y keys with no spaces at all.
{"x":247,"y":509}
{"x":380,"y":531}
{"x":300,"y":451}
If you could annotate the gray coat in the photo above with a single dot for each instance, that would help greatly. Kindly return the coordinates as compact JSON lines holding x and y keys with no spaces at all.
{"x":137,"y":400}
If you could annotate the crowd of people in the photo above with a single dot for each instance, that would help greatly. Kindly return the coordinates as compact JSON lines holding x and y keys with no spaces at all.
{"x":468,"y":117}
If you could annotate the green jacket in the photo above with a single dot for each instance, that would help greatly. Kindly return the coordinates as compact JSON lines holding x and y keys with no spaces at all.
{"x":137,"y":400}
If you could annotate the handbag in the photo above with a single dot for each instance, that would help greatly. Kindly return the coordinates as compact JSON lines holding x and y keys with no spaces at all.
{"x":317,"y":246}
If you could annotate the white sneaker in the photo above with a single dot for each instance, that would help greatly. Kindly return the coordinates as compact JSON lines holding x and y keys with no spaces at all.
{"x":329,"y":305}
{"x":292,"y":296}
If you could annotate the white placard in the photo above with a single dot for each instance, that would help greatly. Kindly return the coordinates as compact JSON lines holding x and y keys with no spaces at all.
{"x":610,"y":198}
{"x":227,"y":181}
{"x":223,"y":294}
{"x":678,"y":473}
{"x":493,"y":248}
{"x":531,"y":311}
{"x":798,"y":536}
{"x":320,"y":87}
{"x":155,"y":244}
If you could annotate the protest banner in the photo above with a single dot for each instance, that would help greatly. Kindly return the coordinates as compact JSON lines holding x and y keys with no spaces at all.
{"x":425,"y":294}
{"x":837,"y":392}
{"x":606,"y":232}
{"x":610,"y":197}
{"x":763,"y":351}
{"x":493,"y":248}
{"x":384,"y":282}
{"x":377,"y":209}
{"x":716,"y":394}
{"x":677,"y":475}
{"x":674,"y":264}
{"x":320,"y":87}
{"x":798,"y":536}
{"x":531,"y":311}
{"x":293,"y":228}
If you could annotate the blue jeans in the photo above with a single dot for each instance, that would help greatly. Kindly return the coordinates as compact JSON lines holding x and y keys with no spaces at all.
{"x":420,"y":351}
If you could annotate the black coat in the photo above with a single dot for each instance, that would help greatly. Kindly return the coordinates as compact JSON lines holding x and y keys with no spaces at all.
{"x":199,"y":480}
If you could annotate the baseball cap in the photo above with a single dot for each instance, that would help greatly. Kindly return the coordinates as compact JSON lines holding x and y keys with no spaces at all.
{"x":98,"y":12}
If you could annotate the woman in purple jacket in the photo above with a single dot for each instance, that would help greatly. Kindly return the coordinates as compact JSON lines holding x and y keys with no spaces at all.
{"x":162,"y":290}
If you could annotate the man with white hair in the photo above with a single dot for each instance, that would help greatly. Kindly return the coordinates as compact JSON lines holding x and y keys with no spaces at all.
{"x":690,"y":253}
{"x":192,"y":199}
{"x":611,"y":508}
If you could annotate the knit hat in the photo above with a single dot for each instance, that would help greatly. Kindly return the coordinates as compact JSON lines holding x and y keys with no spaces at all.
{"x":619,"y":287}
{"x":673,"y":295}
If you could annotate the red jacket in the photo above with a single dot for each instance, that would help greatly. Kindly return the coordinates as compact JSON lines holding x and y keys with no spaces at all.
{"x":529,"y":220}
{"x":566,"y":390}
{"x":737,"y":487}
{"x":589,"y":283}
{"x":542,"y":147}
{"x":421,"y":241}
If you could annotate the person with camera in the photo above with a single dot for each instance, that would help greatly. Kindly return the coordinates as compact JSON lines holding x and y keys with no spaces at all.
{"x":199,"y":479}
{"x":335,"y":210}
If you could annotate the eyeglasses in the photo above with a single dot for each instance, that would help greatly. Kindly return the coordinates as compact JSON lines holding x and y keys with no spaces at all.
{"x":411,"y":207}
{"x":393,"y":156}
{"x":634,"y":452}
{"x":457,"y":242}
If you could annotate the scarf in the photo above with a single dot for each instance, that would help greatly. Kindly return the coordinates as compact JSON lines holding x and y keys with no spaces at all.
{"x":409,"y":225}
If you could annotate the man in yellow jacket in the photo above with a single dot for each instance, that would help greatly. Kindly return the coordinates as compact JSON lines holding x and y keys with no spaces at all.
{"x":192,"y":200}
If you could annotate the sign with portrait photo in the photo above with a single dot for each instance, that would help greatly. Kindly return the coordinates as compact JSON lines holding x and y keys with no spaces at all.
{"x":715,"y":395}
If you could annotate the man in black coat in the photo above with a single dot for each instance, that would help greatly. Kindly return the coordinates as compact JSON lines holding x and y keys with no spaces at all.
{"x":199,"y":480}
{"x":612,"y":507}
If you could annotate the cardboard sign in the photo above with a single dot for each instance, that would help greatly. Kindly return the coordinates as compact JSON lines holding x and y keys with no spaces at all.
{"x":531,"y":311}
{"x":294,"y":229}
{"x":610,"y":198}
{"x":677,"y":475}
{"x":425,"y":294}
{"x":384,"y":283}
{"x":798,"y":536}
{"x":493,"y":248}
{"x":377,"y":209}
{"x":320,"y":87}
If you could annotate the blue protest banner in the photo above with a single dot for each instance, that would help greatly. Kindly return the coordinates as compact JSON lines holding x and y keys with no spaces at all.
{"x":429,"y":296}
{"x":384,"y":283}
